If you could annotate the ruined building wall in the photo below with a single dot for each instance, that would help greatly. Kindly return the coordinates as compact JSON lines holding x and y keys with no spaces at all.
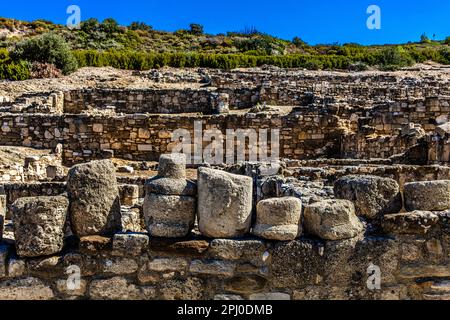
{"x":410,"y":253}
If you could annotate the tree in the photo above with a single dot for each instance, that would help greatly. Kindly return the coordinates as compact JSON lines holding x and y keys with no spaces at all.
{"x":447,"y":40}
{"x":110,"y":25}
{"x":196,"y":29}
{"x":47,"y":48}
{"x":424,"y":38}
{"x":90,"y":25}
{"x":298,"y":42}
{"x":140,"y":26}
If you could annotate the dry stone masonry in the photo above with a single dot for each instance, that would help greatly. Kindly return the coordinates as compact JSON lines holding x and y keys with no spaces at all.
{"x":90,"y":184}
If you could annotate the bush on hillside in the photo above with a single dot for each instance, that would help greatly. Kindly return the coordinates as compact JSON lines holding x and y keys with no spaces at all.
{"x":393,"y":58}
{"x":10,"y":70}
{"x":47,"y":48}
{"x":196,"y":29}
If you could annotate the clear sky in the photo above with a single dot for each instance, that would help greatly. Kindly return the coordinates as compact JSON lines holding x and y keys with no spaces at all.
{"x":319,"y":21}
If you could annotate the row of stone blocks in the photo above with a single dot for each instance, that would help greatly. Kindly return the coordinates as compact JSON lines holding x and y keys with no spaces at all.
{"x":222,"y":203}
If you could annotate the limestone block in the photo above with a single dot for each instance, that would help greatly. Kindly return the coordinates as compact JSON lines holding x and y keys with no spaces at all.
{"x":416,"y":222}
{"x":214,"y":267}
{"x":224,"y":203}
{"x":332,"y":220}
{"x":171,"y":187}
{"x":278,"y":218}
{"x":172,"y":165}
{"x":373,"y":196}
{"x":39,"y":225}
{"x":25,"y":289}
{"x":129,"y":194}
{"x":94,"y":198}
{"x":131,"y":244}
{"x":118,"y":288}
{"x":169,"y":216}
{"x":427,"y":195}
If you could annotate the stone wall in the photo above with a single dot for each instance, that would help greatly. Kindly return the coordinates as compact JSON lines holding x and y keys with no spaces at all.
{"x":145,"y":137}
{"x":139,"y":101}
{"x":409,"y":251}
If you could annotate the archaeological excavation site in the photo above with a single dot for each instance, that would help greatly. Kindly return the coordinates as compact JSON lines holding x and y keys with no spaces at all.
{"x":244,"y":184}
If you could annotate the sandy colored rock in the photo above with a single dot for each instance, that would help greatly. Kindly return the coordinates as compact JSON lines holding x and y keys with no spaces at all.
{"x":427,"y":195}
{"x":118,"y":288}
{"x":372,"y":196}
{"x":278,"y":219}
{"x":39,"y":225}
{"x":224,"y":203}
{"x":171,"y":187}
{"x":25,"y":289}
{"x":332,"y":220}
{"x":172,"y":165}
{"x":416,"y":222}
{"x":169,"y":216}
{"x":94,"y":198}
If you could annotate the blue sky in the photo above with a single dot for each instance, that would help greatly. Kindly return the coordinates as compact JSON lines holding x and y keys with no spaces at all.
{"x":320,"y":21}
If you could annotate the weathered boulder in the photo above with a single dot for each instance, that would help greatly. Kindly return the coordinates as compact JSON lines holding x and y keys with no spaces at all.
{"x":169,"y":216}
{"x":416,"y":222}
{"x":278,"y":218}
{"x":224,"y":203}
{"x":172,"y":165}
{"x":171,"y":187}
{"x":427,"y":195}
{"x":39,"y":225}
{"x":332,"y":220}
{"x":373,"y":196}
{"x":170,"y":204}
{"x":94,"y":198}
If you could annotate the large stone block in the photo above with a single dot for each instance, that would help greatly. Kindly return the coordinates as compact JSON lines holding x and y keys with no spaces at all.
{"x":427,"y":195}
{"x":39,"y":225}
{"x":25,"y":289}
{"x":224,"y":203}
{"x":171,"y":187}
{"x":169,"y":216}
{"x":278,"y":218}
{"x":373,"y":196}
{"x":416,"y":222}
{"x":119,"y":288}
{"x":94,"y":198}
{"x":172,"y":165}
{"x":332,"y":220}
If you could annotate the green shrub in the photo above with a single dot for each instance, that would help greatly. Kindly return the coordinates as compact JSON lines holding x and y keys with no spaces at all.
{"x":110,"y":25}
{"x":392,"y":58}
{"x":447,"y":40}
{"x":10,"y":70}
{"x":196,"y":29}
{"x":48,"y":48}
{"x":424,"y":38}
{"x":90,"y":25}
{"x":140,"y":26}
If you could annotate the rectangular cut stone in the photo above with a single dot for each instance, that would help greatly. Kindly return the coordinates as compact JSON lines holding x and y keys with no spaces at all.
{"x":167,"y":264}
{"x":145,"y":147}
{"x":215,"y":267}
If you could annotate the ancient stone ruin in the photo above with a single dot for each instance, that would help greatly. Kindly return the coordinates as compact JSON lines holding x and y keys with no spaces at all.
{"x":97,"y":202}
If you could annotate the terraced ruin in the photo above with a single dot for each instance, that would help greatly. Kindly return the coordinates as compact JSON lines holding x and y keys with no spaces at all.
{"x":356,"y":204}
